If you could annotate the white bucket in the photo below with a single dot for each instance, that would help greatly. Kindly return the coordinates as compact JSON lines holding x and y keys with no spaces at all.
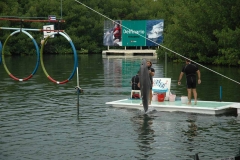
{"x":184,"y":99}
{"x":155,"y":97}
{"x":172,"y":97}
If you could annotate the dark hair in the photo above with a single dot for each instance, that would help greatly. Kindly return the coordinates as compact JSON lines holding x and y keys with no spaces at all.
{"x":118,"y":23}
{"x":150,"y":63}
{"x":187,"y":60}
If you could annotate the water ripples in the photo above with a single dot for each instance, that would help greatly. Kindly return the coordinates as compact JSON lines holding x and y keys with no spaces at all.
{"x":39,"y":121}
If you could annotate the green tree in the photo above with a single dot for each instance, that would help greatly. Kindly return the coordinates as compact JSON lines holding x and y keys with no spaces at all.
{"x":206,"y":31}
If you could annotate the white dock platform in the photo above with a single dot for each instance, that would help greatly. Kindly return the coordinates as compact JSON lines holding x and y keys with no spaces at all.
{"x":202,"y":107}
{"x":134,"y":52}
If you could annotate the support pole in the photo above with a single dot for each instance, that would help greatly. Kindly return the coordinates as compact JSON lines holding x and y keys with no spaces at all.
{"x":196,"y":156}
{"x":61,"y":9}
{"x":165,"y":64}
{"x":78,"y":101}
{"x":220,"y":93}
{"x":78,"y":92}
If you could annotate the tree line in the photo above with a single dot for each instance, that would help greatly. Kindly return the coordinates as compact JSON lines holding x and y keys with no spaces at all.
{"x":207,"y":31}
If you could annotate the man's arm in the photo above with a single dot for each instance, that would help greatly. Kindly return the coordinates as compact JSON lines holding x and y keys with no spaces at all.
{"x":152,"y":72}
{"x":180,"y":78}
{"x":199,"y":76}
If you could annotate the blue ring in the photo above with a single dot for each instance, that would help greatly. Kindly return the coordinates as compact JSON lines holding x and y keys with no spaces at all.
{"x":0,"y":52}
{"x":75,"y":58}
{"x":36,"y":46}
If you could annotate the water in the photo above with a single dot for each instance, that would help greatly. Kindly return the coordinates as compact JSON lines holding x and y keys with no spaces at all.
{"x":39,"y":118}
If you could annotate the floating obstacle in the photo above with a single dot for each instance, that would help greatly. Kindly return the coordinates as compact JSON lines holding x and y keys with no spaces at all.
{"x":49,"y":32}
{"x":202,"y":107}
{"x":165,"y":101}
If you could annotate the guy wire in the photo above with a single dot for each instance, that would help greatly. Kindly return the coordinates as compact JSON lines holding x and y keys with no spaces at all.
{"x":157,"y":43}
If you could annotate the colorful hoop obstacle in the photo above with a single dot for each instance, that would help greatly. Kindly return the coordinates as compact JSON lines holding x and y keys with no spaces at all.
{"x":39,"y":55}
{"x":75,"y":58}
{"x":37,"y":52}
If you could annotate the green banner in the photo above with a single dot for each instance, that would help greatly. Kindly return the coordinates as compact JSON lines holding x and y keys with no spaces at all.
{"x":134,"y":33}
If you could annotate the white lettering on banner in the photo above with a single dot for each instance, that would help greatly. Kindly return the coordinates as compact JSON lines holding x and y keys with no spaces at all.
{"x":130,"y":31}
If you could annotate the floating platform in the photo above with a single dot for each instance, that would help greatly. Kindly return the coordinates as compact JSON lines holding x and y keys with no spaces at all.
{"x":127,"y":52}
{"x":202,"y":107}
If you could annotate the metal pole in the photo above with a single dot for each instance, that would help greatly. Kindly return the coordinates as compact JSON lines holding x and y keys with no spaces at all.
{"x":220,"y":93}
{"x":165,"y":64}
{"x":78,"y":91}
{"x":61,"y":9}
{"x":77,"y":78}
{"x":78,"y":101}
{"x":30,"y":29}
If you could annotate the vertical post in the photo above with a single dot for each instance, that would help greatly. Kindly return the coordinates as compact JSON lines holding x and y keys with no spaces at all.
{"x":220,"y":93}
{"x":0,"y":52}
{"x":196,"y":156}
{"x":78,"y":91}
{"x":78,"y":101}
{"x":165,"y":64}
{"x":61,"y":9}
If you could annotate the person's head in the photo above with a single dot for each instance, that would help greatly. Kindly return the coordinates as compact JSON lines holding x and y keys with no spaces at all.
{"x":117,"y":24}
{"x":149,"y":63}
{"x":187,"y":61}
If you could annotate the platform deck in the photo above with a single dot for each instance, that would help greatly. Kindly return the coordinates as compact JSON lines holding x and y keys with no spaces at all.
{"x":202,"y":107}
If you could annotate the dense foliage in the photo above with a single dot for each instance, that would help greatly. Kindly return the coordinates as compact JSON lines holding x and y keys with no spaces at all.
{"x":207,"y":31}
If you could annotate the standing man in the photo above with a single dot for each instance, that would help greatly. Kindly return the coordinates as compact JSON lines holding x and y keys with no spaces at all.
{"x":151,"y":74}
{"x":190,"y":70}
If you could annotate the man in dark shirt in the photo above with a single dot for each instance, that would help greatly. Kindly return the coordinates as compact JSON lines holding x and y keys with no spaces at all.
{"x":190,"y":70}
{"x":135,"y":81}
{"x":135,"y":85}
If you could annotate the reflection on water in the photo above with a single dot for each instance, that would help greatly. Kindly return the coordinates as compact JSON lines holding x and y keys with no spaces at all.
{"x":192,"y":127}
{"x":145,"y":134}
{"x":39,"y":118}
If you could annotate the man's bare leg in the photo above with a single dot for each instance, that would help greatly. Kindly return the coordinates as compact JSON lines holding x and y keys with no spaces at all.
{"x":150,"y":97}
{"x":189,"y":90}
{"x":195,"y":95}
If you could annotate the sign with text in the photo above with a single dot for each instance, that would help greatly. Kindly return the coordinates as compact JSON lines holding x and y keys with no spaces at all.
{"x":163,"y":84}
{"x":47,"y":30}
{"x":133,"y":32}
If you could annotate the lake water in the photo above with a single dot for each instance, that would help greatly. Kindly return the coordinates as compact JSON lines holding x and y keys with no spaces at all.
{"x":39,"y":118}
